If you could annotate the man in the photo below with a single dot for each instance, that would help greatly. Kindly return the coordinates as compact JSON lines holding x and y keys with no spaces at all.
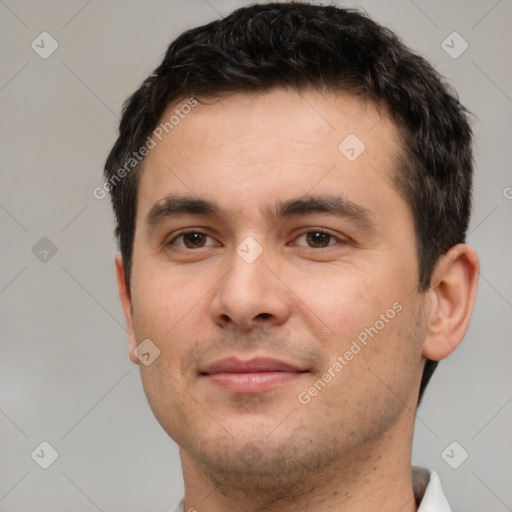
{"x":292,"y":191}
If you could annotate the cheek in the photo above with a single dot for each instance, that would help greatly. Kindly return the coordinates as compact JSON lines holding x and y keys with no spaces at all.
{"x":163,"y":302}
{"x":379,"y":366}
{"x":341,"y":302}
{"x":372,"y":322}
{"x":166,"y":310}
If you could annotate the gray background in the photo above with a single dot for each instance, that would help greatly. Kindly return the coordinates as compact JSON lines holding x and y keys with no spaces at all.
{"x":65,"y":376}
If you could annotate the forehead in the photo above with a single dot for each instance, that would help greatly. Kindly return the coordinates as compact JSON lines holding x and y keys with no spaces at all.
{"x":244,"y":148}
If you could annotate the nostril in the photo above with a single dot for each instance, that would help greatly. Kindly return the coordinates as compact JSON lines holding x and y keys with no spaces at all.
{"x":264,"y":315}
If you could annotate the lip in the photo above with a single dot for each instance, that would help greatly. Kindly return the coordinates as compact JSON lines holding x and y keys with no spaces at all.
{"x":254,"y":376}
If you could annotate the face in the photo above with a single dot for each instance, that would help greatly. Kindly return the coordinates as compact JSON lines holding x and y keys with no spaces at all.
{"x":275,"y":269}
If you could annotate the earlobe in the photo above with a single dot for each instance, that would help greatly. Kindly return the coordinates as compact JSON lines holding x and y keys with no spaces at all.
{"x":126,"y":304}
{"x":451,"y":299}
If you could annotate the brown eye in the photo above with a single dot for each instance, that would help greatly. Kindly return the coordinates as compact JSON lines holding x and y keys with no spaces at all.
{"x":190,"y":240}
{"x":318,"y":239}
{"x":194,"y":240}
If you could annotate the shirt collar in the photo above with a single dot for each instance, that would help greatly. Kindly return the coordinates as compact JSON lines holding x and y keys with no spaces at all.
{"x":431,"y":497}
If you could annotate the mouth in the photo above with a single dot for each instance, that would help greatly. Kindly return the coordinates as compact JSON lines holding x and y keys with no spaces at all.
{"x":254,"y":376}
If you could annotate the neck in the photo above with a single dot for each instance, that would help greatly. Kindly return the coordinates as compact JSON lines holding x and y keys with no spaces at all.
{"x":376,"y":476}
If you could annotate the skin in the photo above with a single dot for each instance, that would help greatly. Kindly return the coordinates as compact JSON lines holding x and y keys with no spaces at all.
{"x":349,"y":447}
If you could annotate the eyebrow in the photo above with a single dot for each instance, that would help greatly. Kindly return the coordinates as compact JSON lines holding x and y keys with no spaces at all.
{"x":175,"y":206}
{"x":336,"y":205}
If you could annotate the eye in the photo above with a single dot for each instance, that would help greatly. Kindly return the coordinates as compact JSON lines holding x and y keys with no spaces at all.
{"x":190,"y":240}
{"x":317,"y":239}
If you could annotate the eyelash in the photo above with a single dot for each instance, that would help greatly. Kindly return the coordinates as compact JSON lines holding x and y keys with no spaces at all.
{"x":314,"y":230}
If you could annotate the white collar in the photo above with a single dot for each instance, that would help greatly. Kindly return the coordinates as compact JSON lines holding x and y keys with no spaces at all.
{"x":427,"y":490}
{"x":433,"y":499}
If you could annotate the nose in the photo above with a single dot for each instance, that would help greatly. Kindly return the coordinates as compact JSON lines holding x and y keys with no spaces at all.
{"x":251,"y":295}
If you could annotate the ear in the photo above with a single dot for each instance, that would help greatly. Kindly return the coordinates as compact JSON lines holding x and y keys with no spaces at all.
{"x":126,"y":303}
{"x":452,"y":296}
